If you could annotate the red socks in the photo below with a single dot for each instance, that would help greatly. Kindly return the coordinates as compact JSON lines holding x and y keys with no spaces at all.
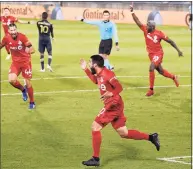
{"x":17,"y":85}
{"x":136,"y":135}
{"x":167,"y":74}
{"x":151,"y":79}
{"x":31,"y":94}
{"x":96,"y":143}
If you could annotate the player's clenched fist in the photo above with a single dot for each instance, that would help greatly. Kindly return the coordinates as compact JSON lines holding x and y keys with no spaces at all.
{"x":83,"y":64}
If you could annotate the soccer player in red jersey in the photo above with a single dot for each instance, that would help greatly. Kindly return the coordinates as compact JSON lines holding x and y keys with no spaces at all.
{"x":153,"y":39}
{"x":6,"y":20}
{"x":21,"y":50}
{"x":113,"y":110}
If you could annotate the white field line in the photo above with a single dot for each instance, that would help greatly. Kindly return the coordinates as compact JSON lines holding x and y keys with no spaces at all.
{"x":84,"y":77}
{"x":173,"y":159}
{"x":90,"y":90}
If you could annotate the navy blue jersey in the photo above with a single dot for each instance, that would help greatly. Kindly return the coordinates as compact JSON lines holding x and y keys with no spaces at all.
{"x":45,"y":29}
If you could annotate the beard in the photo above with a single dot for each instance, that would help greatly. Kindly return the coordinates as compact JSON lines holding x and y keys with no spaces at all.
{"x":93,"y":71}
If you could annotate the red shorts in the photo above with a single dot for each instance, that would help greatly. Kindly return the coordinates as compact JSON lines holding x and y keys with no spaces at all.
{"x":156,"y":59}
{"x":24,"y":67}
{"x":113,"y":115}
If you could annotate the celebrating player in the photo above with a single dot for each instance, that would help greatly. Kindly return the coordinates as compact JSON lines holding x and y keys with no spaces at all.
{"x":153,"y":38}
{"x":7,"y":19}
{"x":45,"y":28}
{"x":107,"y":31}
{"x":21,"y":50}
{"x":113,"y":111}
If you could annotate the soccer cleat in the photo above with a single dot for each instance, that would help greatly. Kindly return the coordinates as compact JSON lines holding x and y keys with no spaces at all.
{"x":42,"y":70}
{"x":91,"y":162}
{"x":49,"y":68}
{"x":32,"y":105}
{"x":176,"y":80}
{"x":8,"y":57}
{"x":155,"y":140}
{"x":24,"y":94}
{"x":150,"y":93}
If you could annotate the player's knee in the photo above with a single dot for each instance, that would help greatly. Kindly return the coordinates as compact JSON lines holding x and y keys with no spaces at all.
{"x":152,"y":67}
{"x":12,"y":81}
{"x":123,"y":134}
{"x":28,"y":83}
{"x":95,"y":126}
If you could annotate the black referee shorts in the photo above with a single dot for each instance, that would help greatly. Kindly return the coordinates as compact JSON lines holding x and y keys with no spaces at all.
{"x":105,"y":46}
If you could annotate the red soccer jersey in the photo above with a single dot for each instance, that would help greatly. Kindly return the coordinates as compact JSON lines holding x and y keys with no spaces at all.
{"x":107,"y":81}
{"x":17,"y":47}
{"x":153,"y":40}
{"x":6,"y":21}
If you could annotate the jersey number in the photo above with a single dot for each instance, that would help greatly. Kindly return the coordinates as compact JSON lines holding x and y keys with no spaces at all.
{"x":44,"y":29}
{"x":155,"y":58}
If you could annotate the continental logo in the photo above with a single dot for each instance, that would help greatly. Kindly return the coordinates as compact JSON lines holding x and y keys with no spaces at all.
{"x":98,"y":14}
{"x":19,"y":11}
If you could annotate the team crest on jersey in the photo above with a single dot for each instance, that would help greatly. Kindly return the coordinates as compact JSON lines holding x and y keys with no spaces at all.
{"x":19,"y":45}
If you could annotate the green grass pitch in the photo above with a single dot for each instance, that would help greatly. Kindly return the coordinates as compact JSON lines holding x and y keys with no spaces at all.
{"x":57,"y":135}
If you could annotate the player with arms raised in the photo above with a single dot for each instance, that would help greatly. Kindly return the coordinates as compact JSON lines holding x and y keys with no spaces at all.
{"x":113,"y":111}
{"x":45,"y":29}
{"x":21,"y":50}
{"x":153,"y":39}
{"x":7,"y":19}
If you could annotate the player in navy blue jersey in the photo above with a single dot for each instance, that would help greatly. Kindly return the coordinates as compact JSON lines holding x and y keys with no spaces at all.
{"x":45,"y":28}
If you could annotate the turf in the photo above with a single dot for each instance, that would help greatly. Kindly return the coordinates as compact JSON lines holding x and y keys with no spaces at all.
{"x":57,"y":135}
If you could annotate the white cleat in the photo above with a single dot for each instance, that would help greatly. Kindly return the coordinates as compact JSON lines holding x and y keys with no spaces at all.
{"x":49,"y":68}
{"x":8,"y":57}
{"x":42,"y":70}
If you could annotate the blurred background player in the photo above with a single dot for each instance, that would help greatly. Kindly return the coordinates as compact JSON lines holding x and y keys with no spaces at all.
{"x":153,"y":39}
{"x":45,"y":29}
{"x":113,"y":111}
{"x":108,"y":30}
{"x":21,"y":50}
{"x":6,"y":20}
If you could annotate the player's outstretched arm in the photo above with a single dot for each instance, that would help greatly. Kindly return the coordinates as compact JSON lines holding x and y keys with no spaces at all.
{"x":25,"y":22}
{"x":172,"y":43}
{"x":115,"y":35}
{"x":88,"y":21}
{"x":83,"y":65}
{"x":135,"y":18}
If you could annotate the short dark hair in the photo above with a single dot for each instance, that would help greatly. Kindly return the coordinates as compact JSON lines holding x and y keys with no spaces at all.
{"x":12,"y":25}
{"x":98,"y":60}
{"x":44,"y":15}
{"x":6,"y":8}
{"x":106,"y":11}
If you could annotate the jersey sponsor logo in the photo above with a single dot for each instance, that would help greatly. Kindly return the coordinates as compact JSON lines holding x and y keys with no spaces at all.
{"x":154,"y":39}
